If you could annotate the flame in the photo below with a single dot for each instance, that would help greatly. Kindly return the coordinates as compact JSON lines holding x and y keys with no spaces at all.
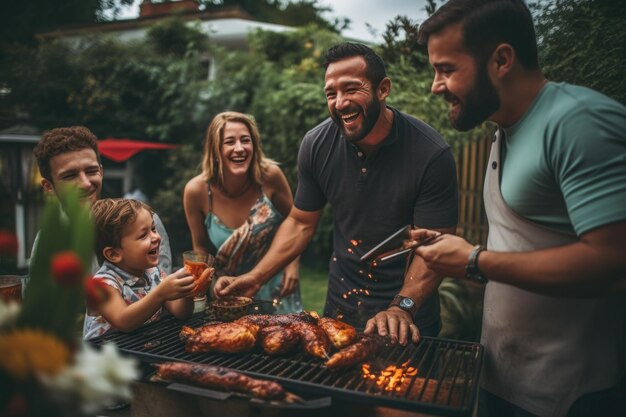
{"x":392,"y":378}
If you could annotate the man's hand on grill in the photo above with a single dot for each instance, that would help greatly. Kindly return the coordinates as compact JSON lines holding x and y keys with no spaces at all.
{"x":245,"y":285}
{"x":394,"y":322}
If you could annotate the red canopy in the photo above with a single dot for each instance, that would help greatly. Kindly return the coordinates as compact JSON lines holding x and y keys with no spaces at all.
{"x":119,"y":150}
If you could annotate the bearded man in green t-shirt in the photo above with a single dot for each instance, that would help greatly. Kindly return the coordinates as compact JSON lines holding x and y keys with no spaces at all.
{"x":555,"y":197}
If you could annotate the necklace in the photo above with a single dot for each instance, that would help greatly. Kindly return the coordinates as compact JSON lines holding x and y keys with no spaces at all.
{"x":235,"y":194}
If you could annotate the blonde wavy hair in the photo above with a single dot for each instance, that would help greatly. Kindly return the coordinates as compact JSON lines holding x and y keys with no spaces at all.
{"x":212,"y":164}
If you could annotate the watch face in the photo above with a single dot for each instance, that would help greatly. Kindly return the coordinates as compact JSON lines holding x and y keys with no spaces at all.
{"x":406,"y":303}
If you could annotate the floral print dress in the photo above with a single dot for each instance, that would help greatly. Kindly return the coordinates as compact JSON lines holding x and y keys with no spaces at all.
{"x":239,"y":250}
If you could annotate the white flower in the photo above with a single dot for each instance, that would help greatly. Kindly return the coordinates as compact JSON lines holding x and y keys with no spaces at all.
{"x":96,"y":378}
{"x":8,"y":313}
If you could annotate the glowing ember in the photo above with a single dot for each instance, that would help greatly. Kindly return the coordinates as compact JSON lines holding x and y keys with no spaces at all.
{"x":350,"y":250}
{"x":392,"y":378}
{"x":354,"y":242}
{"x":370,"y":276}
{"x":334,"y":259}
{"x":355,"y":291}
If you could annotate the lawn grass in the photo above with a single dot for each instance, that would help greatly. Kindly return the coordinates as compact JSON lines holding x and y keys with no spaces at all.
{"x":313,"y":286}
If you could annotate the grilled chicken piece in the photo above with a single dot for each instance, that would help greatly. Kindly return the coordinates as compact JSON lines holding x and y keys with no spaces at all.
{"x":340,"y":334}
{"x":220,"y":378}
{"x":314,"y":340}
{"x":219,"y":337}
{"x":367,"y":346}
{"x":186,"y":332}
{"x":277,"y":340}
{"x":266,"y":320}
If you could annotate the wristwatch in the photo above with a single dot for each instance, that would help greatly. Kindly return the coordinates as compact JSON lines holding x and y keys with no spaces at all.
{"x":471,"y":269}
{"x":405,"y":303}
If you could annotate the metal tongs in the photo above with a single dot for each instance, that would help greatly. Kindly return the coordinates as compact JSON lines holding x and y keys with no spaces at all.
{"x":394,"y":246}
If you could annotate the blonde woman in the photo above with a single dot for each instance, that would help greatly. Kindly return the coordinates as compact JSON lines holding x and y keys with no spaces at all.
{"x":234,"y":207}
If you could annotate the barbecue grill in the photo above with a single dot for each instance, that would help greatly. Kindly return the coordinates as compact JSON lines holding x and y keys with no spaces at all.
{"x":435,"y":376}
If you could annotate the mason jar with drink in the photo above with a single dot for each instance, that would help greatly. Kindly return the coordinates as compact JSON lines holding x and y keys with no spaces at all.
{"x":200,"y":265}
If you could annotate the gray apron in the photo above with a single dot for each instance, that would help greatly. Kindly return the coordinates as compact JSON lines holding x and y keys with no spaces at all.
{"x":543,"y":352}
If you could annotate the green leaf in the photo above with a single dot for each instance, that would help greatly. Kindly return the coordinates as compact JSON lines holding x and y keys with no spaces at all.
{"x":49,"y":306}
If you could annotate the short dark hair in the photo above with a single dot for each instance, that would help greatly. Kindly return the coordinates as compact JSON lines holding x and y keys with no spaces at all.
{"x":375,"y":66}
{"x":61,"y":140}
{"x":111,"y":216}
{"x":485,"y":25}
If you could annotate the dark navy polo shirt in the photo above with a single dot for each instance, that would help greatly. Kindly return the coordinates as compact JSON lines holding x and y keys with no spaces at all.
{"x":410,"y":179}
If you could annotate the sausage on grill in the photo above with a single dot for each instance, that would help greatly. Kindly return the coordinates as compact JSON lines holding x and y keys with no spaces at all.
{"x":367,"y":346}
{"x":220,"y":378}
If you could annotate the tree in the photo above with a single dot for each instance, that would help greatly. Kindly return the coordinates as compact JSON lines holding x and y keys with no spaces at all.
{"x":582,"y":42}
{"x":21,"y":20}
{"x":411,"y":75}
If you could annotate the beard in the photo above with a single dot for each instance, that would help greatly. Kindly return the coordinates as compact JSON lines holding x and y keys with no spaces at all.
{"x":480,"y":102}
{"x":370,"y":115}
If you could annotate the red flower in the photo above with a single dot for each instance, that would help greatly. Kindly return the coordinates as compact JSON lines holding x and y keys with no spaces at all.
{"x":8,"y":244}
{"x":67,"y":268}
{"x":95,"y":292}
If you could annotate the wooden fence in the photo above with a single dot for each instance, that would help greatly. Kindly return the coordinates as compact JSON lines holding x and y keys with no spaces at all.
{"x":471,"y":159}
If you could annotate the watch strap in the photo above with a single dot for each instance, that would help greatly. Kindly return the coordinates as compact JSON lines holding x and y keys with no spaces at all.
{"x":396,"y":302}
{"x":471,"y":269}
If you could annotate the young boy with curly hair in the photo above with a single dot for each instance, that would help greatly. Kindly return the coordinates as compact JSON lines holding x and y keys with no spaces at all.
{"x":127,"y":246}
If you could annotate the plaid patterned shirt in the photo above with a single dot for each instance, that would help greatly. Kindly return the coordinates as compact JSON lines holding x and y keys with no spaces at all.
{"x":130,"y":287}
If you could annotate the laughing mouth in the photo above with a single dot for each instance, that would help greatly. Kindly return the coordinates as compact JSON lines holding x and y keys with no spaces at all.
{"x":350,"y":117}
{"x":154,"y":251}
{"x":239,"y":159}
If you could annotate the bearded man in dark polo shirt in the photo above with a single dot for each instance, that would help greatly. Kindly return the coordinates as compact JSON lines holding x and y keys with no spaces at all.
{"x":380,"y":169}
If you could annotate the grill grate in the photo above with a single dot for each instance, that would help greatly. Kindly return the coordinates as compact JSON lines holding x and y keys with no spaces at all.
{"x":437,"y":375}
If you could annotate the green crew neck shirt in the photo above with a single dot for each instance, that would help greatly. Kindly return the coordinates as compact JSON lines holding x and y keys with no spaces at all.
{"x":565,"y":164}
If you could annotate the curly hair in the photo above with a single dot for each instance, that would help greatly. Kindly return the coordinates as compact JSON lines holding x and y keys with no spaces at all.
{"x":61,"y":140}
{"x":111,"y":216}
